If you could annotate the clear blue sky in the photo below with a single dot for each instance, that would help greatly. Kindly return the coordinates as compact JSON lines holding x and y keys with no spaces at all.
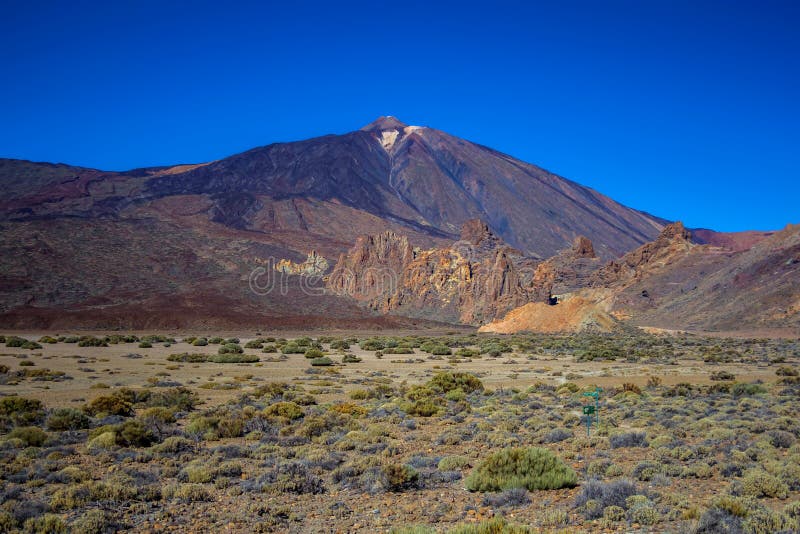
{"x":686,"y":109}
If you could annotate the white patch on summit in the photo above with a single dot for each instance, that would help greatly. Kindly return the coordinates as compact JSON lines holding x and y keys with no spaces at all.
{"x":408,"y":129}
{"x":388,"y":137}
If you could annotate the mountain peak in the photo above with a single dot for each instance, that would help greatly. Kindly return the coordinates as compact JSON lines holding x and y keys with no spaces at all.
{"x":384,"y":123}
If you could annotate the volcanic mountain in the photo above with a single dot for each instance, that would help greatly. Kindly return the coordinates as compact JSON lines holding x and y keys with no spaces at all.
{"x":178,"y":246}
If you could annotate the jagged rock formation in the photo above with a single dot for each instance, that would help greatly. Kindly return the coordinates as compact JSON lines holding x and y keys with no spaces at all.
{"x":673,"y":241}
{"x":470,"y":281}
{"x":314,"y":265}
{"x":567,"y":271}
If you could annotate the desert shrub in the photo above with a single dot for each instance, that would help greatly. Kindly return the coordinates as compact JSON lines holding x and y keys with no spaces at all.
{"x":187,"y":493}
{"x":444,"y":382}
{"x":339,"y":344}
{"x":196,"y":474}
{"x":131,"y":433}
{"x":269,"y":348}
{"x":781,"y":439}
{"x":350,"y":358}
{"x":289,"y":410}
{"x":254,"y":344}
{"x":230,"y":348}
{"x":556,"y":435}
{"x":644,"y":514}
{"x":595,"y":496}
{"x":739,"y":390}
{"x":233,"y":358}
{"x":532,"y":468}
{"x":91,"y":341}
{"x":423,"y":408}
{"x":614,"y":513}
{"x":110,"y":405}
{"x":48,"y":339}
{"x":400,"y":477}
{"x":372,"y":344}
{"x":18,"y":411}
{"x":511,"y":497}
{"x":31,"y":436}
{"x":496,"y":525}
{"x":177,"y":398}
{"x":786,"y":371}
{"x":314,"y":353}
{"x":628,"y":439}
{"x":630,"y":387}
{"x":292,"y":348}
{"x":453,"y":463}
{"x":759,"y":483}
{"x":398,"y":350}
{"x":200,"y":342}
{"x":436,"y":348}
{"x":187,"y":357}
{"x":45,"y":524}
{"x":722,"y":375}
{"x":294,"y":477}
{"x":215,"y":340}
{"x":145,"y":345}
{"x":321,"y":362}
{"x":93,"y":522}
{"x":67,"y":419}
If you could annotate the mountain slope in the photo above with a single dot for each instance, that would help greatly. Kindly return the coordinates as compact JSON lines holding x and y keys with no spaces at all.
{"x":90,"y":244}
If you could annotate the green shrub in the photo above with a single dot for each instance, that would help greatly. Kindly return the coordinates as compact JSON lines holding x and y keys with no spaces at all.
{"x":739,"y":390}
{"x":533,"y":468}
{"x":339,"y":344}
{"x":48,"y":339}
{"x":110,"y":405}
{"x":31,"y":436}
{"x":230,"y":348}
{"x":254,"y":344}
{"x":292,"y":348}
{"x":93,"y":521}
{"x":91,"y":341}
{"x":145,"y":345}
{"x":20,"y":411}
{"x":234,"y":358}
{"x":350,"y":358}
{"x":372,"y":344}
{"x":400,"y":477}
{"x":759,"y":483}
{"x":321,"y":362}
{"x":45,"y":524}
{"x":200,"y":342}
{"x":289,"y":410}
{"x":67,"y":419}
{"x":314,"y":353}
{"x":453,"y":463}
{"x":445,"y":382}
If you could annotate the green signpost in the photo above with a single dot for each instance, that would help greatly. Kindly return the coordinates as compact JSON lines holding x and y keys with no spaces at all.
{"x":592,"y":410}
{"x":588,"y":410}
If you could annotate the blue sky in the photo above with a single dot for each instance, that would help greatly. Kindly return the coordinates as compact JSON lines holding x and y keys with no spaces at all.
{"x":686,"y":109}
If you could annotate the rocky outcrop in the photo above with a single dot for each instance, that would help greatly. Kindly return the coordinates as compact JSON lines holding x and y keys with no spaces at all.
{"x":315,"y":265}
{"x":471,"y":281}
{"x":567,"y":271}
{"x":673,"y":242}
